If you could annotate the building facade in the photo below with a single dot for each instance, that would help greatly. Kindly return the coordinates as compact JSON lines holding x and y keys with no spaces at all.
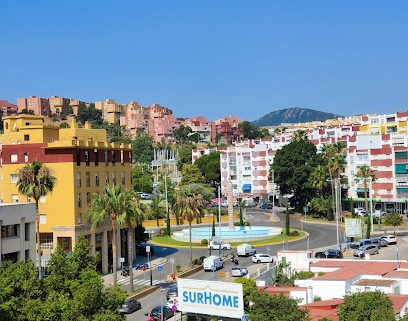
{"x":82,"y":161}
{"x":17,"y":224}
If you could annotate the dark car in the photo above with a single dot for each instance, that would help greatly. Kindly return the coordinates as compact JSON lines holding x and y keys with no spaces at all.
{"x":329,"y":254}
{"x":156,"y":312}
{"x":266,"y":206}
{"x":130,"y":306}
{"x":172,"y":292}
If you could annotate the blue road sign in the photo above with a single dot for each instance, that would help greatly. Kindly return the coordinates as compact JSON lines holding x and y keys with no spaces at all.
{"x":244,"y":318}
{"x":160,"y":268}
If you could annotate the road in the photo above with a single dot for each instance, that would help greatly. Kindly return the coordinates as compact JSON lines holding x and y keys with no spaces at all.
{"x":319,"y":237}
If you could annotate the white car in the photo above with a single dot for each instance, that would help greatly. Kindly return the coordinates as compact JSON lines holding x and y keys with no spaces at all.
{"x":239,"y":270}
{"x":262,"y":258}
{"x":215,"y":245}
{"x":391,"y":239}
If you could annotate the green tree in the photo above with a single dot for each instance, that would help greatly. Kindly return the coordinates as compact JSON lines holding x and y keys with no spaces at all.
{"x":142,"y":178}
{"x":249,"y":288}
{"x":112,"y":203}
{"x":267,"y":307}
{"x":284,"y":275}
{"x":182,"y":134}
{"x":64,"y":125}
{"x":157,"y":210}
{"x":209,"y":166}
{"x":195,"y":189}
{"x":89,"y":114}
{"x":318,"y":179}
{"x":191,"y":174}
{"x":365,"y":174}
{"x":366,"y":306}
{"x":184,"y":156}
{"x":115,"y":132}
{"x":131,"y":218}
{"x":287,"y":221}
{"x":143,"y":151}
{"x":393,"y":219}
{"x":241,"y":206}
{"x":299,"y":135}
{"x":36,"y":180}
{"x":292,"y":166}
{"x":188,"y":207}
{"x":249,"y":130}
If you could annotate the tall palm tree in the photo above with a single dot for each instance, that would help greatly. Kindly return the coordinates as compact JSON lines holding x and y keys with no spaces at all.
{"x":299,"y":135}
{"x":189,"y":207}
{"x":318,"y":179}
{"x":108,"y":206}
{"x":156,"y":209}
{"x":131,"y":217}
{"x":36,"y":180}
{"x":364,"y":174}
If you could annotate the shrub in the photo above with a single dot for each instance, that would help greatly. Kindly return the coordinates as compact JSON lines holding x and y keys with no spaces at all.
{"x":178,"y":267}
{"x":294,"y":233}
{"x":304,"y":275}
{"x":246,"y":223}
{"x":204,"y":242}
{"x":163,"y":231}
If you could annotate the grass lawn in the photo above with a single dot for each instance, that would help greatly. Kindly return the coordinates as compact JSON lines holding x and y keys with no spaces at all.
{"x":167,"y":240}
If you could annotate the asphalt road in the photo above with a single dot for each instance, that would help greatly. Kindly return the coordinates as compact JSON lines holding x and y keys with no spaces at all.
{"x":318,"y":237}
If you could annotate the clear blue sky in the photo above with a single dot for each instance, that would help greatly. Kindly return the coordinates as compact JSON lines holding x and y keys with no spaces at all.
{"x":210,"y":58}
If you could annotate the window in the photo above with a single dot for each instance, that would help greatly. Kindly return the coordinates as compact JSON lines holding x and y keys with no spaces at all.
{"x":87,"y":157}
{"x":43,"y":218}
{"x":27,"y":232}
{"x":96,"y":157}
{"x":78,"y":157}
{"x":88,"y":179}
{"x":88,"y":198}
{"x":96,"y":179}
{"x":113,"y":158}
{"x":362,"y":157}
{"x":78,"y":179}
{"x":106,"y":158}
{"x":13,"y":158}
{"x":26,"y":137}
{"x":25,"y":158}
{"x":10,"y":230}
{"x":14,"y":198}
{"x":113,"y":178}
{"x":13,"y":178}
{"x":79,"y":200}
{"x":122,"y":160}
{"x":106,"y":178}
{"x":98,"y":238}
{"x":123,"y":178}
{"x":79,"y":218}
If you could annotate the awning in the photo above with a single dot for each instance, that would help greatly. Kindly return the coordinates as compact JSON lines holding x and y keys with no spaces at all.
{"x":361,"y":190}
{"x":246,"y":187}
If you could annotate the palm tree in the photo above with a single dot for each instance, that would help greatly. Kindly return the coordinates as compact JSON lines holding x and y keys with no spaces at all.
{"x":156,"y":209}
{"x":112,"y":203}
{"x":318,"y":178}
{"x":131,"y":217}
{"x":364,"y":174}
{"x":299,"y":135}
{"x":188,"y":207}
{"x":36,"y":180}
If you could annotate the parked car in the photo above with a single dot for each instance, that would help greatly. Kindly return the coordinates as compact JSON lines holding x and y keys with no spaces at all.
{"x":239,"y":270}
{"x":379,"y":241}
{"x":266,"y":206}
{"x":367,"y":249}
{"x":144,"y":195}
{"x":391,"y":239}
{"x":262,"y":258}
{"x":212,"y":262}
{"x":329,"y":254}
{"x":215,"y":245}
{"x":353,"y":245}
{"x":130,"y":306}
{"x":172,"y":292}
{"x":156,"y":312}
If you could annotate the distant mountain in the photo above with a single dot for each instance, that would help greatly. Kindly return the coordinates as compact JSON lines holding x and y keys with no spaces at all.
{"x":293,"y":115}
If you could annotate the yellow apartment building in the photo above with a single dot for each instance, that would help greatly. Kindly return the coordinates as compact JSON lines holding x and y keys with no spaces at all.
{"x":83,"y":162}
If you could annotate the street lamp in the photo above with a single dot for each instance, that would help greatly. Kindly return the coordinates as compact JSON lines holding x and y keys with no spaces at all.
{"x":219,"y":217}
{"x":371,"y":204}
{"x":336,"y":197}
{"x":273,"y":193}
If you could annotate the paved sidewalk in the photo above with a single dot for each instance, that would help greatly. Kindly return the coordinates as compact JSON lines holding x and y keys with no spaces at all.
{"x":108,"y":278}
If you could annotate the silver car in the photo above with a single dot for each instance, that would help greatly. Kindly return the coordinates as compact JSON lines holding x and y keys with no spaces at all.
{"x":367,"y":249}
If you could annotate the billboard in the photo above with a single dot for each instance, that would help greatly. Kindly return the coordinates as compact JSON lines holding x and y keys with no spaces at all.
{"x":211,"y":297}
{"x":353,"y":227}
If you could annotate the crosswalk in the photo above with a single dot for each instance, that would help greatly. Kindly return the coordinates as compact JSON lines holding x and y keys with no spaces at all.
{"x":138,"y":281}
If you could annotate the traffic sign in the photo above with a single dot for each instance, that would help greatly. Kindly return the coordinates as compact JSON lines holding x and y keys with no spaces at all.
{"x":244,"y":318}
{"x":160,"y":268}
{"x":213,"y":267}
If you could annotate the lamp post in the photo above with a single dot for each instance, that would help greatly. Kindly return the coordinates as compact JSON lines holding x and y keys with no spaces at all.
{"x":273,"y":193}
{"x":336,"y":197}
{"x":219,"y":217}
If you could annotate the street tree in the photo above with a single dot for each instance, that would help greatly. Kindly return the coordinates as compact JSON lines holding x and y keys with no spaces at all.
{"x":188,"y":207}
{"x":209,"y":166}
{"x":36,"y":180}
{"x":143,"y":151}
{"x":157,"y":210}
{"x":131,"y":218}
{"x":393,"y":219}
{"x":366,"y":306}
{"x":267,"y":307}
{"x":365,"y":174}
{"x":107,"y":207}
{"x":249,"y":288}
{"x":292,"y":166}
{"x":251,"y":131}
{"x":319,"y":179}
{"x":142,"y":178}
{"x":184,"y":155}
{"x":191,"y":174}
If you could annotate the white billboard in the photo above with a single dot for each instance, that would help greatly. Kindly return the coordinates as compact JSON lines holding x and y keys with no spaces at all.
{"x":210,"y":297}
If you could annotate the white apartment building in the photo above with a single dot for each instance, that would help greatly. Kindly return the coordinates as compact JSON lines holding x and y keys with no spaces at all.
{"x":17,"y":224}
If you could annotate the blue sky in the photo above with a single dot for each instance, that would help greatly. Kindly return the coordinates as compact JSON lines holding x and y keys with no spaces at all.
{"x":210,"y":58}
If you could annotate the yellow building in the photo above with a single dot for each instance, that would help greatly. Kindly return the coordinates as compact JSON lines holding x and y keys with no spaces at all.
{"x":83,"y":162}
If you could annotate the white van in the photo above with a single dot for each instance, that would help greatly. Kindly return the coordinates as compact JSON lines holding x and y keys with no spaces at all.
{"x":212,"y":261}
{"x":245,"y":250}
